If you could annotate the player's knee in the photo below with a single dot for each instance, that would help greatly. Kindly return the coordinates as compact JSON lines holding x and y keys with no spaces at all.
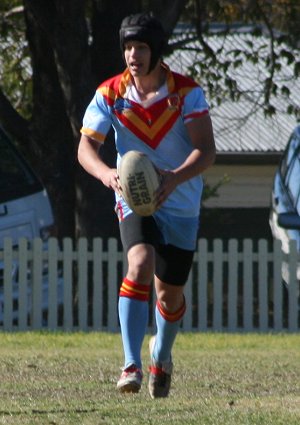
{"x":141,"y":273}
{"x":141,"y":262}
{"x":141,"y":270}
{"x":169,"y":302}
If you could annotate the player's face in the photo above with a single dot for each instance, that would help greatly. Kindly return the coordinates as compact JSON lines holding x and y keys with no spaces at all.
{"x":137,"y":57}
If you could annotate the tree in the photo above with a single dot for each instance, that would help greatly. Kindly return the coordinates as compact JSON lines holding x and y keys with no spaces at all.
{"x":275,"y":19}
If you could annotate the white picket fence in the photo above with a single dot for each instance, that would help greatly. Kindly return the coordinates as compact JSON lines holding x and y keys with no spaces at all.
{"x":237,"y":288}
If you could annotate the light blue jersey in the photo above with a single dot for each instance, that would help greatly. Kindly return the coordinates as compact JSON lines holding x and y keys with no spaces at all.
{"x":156,"y":128}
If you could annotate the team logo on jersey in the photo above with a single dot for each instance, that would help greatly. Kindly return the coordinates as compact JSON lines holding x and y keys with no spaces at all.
{"x":121,"y":105}
{"x":173,"y":101}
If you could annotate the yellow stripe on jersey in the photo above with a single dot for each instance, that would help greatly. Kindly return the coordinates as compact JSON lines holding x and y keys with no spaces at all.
{"x":99,"y":137}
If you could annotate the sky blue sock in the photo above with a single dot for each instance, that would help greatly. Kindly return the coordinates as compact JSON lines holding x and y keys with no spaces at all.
{"x":166,"y":334}
{"x":133,"y":315}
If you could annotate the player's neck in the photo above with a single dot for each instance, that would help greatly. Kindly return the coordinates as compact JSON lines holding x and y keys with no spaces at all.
{"x":148,"y":85}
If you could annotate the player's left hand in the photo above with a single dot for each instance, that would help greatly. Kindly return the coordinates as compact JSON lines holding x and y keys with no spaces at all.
{"x":168,"y":184}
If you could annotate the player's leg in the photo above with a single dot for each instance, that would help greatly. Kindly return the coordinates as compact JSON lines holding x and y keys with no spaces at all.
{"x":169,"y":311}
{"x":173,"y":266}
{"x":133,"y":301}
{"x":134,"y":296}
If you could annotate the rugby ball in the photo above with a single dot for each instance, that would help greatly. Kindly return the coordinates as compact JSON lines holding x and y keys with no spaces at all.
{"x":139,"y":180}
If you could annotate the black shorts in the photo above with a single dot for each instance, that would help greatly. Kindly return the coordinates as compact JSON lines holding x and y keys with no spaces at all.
{"x":172,"y":264}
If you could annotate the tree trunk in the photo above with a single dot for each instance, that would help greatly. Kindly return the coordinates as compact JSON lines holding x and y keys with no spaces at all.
{"x":51,"y":135}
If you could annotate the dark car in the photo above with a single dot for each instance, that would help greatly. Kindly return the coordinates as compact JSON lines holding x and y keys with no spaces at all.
{"x":285,"y":208}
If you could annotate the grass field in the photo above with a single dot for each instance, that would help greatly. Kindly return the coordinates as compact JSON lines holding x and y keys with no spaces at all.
{"x":48,"y":378}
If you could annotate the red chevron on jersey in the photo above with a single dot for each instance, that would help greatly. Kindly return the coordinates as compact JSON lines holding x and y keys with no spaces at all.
{"x":148,"y":124}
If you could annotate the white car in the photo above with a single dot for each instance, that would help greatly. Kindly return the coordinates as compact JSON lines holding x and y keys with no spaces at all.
{"x":25,"y":212}
{"x":285,"y":208}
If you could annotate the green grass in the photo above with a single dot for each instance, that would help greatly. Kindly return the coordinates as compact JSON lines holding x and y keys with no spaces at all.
{"x":48,"y":378}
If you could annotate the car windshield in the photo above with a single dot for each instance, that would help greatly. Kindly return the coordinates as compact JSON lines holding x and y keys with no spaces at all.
{"x":16,"y":178}
{"x":293,"y":180}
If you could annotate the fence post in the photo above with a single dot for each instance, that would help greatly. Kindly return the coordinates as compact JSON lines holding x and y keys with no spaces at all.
{"x":97,"y":284}
{"x":52,"y":283}
{"x":217,"y":285}
{"x":37,"y":296}
{"x":7,"y":289}
{"x":292,"y":288}
{"x":263,"y":285}
{"x":67,"y":257}
{"x":248,"y":285}
{"x":202,"y":284}
{"x":277,"y":286}
{"x":82,"y":284}
{"x":232,"y":285}
{"x":112,"y":285}
{"x":23,"y":284}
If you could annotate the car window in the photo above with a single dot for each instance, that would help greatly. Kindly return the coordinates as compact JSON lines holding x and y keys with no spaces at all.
{"x":292,"y":145}
{"x":293,"y":178}
{"x":283,"y":164}
{"x":298,"y":205}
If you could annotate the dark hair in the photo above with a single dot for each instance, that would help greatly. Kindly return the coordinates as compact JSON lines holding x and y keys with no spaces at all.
{"x":146,"y":28}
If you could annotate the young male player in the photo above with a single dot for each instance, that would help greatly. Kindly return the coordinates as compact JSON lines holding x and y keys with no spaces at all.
{"x":164,"y":115}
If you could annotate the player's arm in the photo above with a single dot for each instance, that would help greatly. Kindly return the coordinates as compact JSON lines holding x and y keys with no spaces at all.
{"x":202,"y":156}
{"x":91,"y":161}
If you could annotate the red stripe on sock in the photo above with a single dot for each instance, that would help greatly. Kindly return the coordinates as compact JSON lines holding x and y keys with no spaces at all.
{"x":155,"y":370}
{"x":172,"y":317}
{"x":134,"y":290}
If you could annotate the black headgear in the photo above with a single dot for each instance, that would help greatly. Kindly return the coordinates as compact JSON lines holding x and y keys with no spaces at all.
{"x":146,"y":28}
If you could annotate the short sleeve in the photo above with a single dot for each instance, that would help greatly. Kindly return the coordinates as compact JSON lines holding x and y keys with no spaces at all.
{"x":195,"y":104}
{"x":97,"y":118}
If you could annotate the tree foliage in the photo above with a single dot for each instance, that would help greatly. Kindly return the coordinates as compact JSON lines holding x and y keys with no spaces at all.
{"x":54,"y":53}
{"x":276,"y":21}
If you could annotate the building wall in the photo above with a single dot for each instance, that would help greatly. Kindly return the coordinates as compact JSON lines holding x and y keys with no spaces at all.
{"x":249,"y":186}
